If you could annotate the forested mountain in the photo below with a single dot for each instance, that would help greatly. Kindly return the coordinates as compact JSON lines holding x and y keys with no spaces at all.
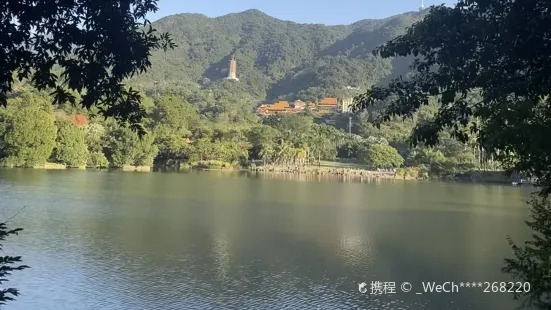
{"x":275,"y":58}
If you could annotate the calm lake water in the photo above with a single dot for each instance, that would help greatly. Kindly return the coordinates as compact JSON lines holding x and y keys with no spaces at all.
{"x":212,"y":240}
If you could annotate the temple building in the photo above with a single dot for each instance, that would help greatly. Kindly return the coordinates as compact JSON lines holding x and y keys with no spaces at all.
{"x":327,"y":105}
{"x":280,"y":107}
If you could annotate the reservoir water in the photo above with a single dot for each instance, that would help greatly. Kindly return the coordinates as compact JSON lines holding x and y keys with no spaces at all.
{"x":212,"y":240}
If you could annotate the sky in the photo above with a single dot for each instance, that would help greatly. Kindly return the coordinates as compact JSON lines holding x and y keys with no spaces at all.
{"x":329,"y":12}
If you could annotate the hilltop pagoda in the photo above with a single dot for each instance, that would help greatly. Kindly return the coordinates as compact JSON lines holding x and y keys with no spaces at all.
{"x":232,"y":74}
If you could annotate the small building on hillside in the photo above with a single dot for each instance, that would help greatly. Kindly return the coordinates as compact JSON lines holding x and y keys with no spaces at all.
{"x":330,"y":103}
{"x":261,"y":110}
{"x":326,"y":106}
{"x":280,"y":107}
{"x":299,"y":104}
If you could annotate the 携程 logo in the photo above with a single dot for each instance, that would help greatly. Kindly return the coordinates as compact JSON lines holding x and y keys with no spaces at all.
{"x":362,"y":287}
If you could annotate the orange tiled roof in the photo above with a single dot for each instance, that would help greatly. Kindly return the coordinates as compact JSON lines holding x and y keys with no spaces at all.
{"x":278,"y":106}
{"x":328,"y":101}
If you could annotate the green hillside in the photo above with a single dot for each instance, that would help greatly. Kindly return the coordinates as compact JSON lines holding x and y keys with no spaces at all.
{"x":275,"y":58}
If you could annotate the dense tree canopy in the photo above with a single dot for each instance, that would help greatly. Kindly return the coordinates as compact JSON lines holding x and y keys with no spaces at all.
{"x":379,"y":156}
{"x":488,"y":64}
{"x":183,"y":130}
{"x":29,"y":133}
{"x":125,"y":147}
{"x":70,"y":146}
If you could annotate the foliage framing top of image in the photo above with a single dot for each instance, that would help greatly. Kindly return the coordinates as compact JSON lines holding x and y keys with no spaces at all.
{"x":96,"y":44}
{"x":488,"y":63}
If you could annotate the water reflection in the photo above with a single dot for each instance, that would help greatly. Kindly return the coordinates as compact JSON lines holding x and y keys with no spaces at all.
{"x":228,"y":241}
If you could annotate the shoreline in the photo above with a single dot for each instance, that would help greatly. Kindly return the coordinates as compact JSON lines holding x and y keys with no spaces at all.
{"x":475,"y":176}
{"x":480,"y":177}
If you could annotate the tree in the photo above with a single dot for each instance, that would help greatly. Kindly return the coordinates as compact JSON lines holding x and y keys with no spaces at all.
{"x":379,"y":156}
{"x":488,"y":63}
{"x":97,"y":160}
{"x":230,"y":152}
{"x":531,"y":262}
{"x":319,"y":142}
{"x":94,"y":135}
{"x":70,"y":146}
{"x":89,"y":47}
{"x":261,"y":137}
{"x":293,"y":127}
{"x":146,"y":150}
{"x":124,"y":147}
{"x":175,"y":113}
{"x":204,"y":149}
{"x":428,"y":156}
{"x":173,"y":149}
{"x":6,"y":263}
{"x":29,"y":137}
